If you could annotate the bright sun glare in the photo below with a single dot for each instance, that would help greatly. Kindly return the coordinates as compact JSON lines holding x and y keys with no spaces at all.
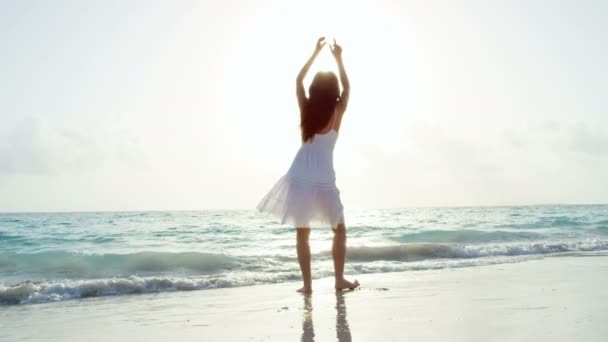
{"x":361,"y":28}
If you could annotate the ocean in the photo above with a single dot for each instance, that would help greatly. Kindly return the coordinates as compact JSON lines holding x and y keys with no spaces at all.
{"x":46,"y":257}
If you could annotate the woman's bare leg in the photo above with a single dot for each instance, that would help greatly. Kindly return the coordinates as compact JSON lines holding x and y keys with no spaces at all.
{"x":303,"y":248}
{"x":338,"y":252}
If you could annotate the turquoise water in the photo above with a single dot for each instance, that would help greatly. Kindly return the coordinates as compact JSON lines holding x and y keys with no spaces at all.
{"x":58,"y":256}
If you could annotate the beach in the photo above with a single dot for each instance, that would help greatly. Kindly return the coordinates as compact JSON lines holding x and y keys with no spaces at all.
{"x":163,"y":178}
{"x":558,"y":298}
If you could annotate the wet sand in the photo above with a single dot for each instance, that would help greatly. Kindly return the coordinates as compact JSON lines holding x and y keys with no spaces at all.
{"x":550,"y":299}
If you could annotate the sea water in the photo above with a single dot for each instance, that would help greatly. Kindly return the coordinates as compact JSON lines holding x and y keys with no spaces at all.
{"x":59,"y":256}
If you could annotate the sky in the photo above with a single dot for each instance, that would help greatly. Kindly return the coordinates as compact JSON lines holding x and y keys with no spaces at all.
{"x":190,"y":105}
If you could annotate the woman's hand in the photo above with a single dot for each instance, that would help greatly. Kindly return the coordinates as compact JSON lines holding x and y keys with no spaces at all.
{"x":320,"y":44}
{"x":336,"y":50}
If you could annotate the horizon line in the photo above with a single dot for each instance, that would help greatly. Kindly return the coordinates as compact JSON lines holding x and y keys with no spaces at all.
{"x":253,"y":208}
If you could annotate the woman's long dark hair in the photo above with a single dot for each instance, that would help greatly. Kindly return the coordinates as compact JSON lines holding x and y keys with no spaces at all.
{"x":323,"y":96}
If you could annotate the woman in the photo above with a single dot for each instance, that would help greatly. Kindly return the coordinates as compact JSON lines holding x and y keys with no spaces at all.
{"x":308,"y":192}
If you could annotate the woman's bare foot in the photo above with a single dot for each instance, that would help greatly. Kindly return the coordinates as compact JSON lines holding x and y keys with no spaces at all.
{"x":345,"y":284}
{"x":305,"y":290}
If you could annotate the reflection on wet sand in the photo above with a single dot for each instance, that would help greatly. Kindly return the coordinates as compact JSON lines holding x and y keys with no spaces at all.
{"x":342,"y":328}
{"x":308,"y":331}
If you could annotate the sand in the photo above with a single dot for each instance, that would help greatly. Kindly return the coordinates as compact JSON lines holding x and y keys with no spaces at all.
{"x":551,"y":299}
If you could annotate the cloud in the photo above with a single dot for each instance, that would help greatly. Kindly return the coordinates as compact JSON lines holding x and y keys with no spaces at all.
{"x":36,"y":146}
{"x":592,"y":141}
{"x":536,"y":162}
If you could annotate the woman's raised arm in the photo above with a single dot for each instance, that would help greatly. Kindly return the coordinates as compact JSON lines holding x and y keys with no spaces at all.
{"x":336,"y":50}
{"x":300,"y":93}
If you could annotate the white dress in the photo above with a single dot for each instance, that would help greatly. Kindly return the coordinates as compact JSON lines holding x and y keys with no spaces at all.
{"x":308,"y":192}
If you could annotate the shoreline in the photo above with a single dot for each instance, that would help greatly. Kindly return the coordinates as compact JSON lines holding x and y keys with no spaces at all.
{"x":557,"y":298}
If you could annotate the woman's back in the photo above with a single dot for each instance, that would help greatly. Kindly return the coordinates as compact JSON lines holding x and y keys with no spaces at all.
{"x":314,"y":162}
